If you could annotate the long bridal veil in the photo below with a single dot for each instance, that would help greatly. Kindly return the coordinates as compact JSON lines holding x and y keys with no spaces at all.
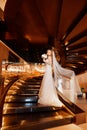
{"x":65,"y":79}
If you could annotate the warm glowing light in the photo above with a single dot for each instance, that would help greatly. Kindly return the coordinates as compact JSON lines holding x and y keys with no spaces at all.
{"x":66,"y":43}
{"x":74,"y":66}
{"x":85,"y":56}
{"x":80,"y":62}
{"x":67,"y":48}
{"x":2,"y":4}
{"x":28,"y":37}
{"x":40,"y":67}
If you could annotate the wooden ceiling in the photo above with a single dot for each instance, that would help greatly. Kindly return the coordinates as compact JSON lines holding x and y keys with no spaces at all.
{"x":60,"y":23}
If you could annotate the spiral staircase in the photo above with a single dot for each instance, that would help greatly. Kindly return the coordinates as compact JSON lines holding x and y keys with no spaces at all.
{"x":28,"y":30}
{"x":21,"y":110}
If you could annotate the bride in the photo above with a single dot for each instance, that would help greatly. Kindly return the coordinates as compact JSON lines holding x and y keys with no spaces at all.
{"x":56,"y":77}
{"x":48,"y":94}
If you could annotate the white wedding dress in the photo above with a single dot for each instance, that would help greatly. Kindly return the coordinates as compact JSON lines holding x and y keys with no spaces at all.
{"x":63,"y":79}
{"x":48,"y":94}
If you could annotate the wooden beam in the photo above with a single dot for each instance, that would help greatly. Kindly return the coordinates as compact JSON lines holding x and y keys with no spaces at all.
{"x":75,"y":22}
{"x":77,"y":37}
{"x":77,"y":46}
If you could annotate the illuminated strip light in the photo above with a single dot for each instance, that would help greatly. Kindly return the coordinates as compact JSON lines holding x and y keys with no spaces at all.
{"x":81,"y":62}
{"x":73,"y":66}
{"x":2,"y":4}
{"x":66,"y":43}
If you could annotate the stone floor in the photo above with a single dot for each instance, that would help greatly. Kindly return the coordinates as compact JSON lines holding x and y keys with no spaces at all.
{"x":82,"y":103}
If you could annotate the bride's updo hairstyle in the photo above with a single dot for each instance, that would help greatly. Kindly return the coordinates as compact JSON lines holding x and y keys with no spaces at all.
{"x":49,"y":52}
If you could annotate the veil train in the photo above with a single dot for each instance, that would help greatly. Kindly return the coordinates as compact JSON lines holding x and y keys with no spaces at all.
{"x":65,"y":79}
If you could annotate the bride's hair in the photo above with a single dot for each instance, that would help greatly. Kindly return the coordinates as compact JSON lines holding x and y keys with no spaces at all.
{"x":57,"y":55}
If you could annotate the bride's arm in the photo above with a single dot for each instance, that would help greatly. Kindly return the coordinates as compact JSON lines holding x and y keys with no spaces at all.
{"x":46,"y":61}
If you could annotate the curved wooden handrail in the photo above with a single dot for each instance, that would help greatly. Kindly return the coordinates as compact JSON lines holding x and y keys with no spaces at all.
{"x":4,"y":95}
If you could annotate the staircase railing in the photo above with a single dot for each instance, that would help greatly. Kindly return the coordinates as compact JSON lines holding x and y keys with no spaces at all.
{"x":3,"y":92}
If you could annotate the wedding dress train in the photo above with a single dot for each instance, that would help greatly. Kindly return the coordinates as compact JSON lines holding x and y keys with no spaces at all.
{"x":48,"y":94}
